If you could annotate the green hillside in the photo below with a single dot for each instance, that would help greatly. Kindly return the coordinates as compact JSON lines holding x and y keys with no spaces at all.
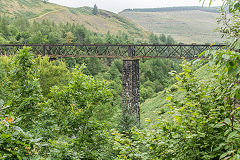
{"x":103,"y":22}
{"x":184,"y":24}
{"x":151,"y":109}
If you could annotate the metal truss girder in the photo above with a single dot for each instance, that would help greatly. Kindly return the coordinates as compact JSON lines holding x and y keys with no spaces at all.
{"x":112,"y":51}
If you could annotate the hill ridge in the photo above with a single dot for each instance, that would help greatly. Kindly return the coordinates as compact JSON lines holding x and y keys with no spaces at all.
{"x":104,"y":22}
{"x":170,"y":9}
{"x":185,"y":25}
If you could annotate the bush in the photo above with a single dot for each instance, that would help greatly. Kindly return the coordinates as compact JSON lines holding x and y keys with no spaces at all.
{"x":52,"y":73}
{"x":62,"y":125}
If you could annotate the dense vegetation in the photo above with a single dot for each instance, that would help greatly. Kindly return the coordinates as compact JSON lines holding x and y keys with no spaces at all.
{"x":20,"y":30}
{"x":200,"y":117}
{"x":62,"y":125}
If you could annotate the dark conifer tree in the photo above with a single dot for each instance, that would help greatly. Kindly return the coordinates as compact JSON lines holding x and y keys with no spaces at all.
{"x":95,"y":10}
{"x":163,"y":38}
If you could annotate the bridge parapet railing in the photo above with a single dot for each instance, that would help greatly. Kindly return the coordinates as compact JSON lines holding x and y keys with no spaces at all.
{"x":112,"y":51}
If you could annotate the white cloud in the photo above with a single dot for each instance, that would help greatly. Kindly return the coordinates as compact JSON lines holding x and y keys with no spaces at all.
{"x":119,"y":5}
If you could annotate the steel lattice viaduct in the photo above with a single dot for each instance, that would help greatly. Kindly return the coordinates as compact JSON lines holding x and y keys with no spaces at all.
{"x":130,"y":55}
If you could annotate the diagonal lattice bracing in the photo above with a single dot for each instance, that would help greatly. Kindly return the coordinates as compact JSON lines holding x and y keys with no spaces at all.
{"x":112,"y":51}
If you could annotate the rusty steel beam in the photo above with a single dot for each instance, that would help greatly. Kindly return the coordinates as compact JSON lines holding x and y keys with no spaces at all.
{"x":188,"y":51}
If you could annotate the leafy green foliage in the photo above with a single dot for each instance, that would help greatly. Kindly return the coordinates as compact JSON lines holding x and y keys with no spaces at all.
{"x":60,"y":125}
{"x":20,"y":83}
{"x":201,"y":125}
{"x":4,"y":69}
{"x":24,"y":85}
{"x":204,"y":123}
{"x":77,"y":100}
{"x":52,"y":73}
{"x":15,"y":143}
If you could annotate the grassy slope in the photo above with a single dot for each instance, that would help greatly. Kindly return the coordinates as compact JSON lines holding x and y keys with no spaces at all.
{"x":151,"y":108}
{"x":189,"y":26}
{"x":105,"y":21}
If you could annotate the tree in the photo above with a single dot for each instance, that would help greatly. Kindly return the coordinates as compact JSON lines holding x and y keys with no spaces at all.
{"x":69,"y":37}
{"x":2,"y":39}
{"x":4,"y":27}
{"x":45,"y":1}
{"x":22,"y":23}
{"x":38,"y":38}
{"x":73,"y":109}
{"x":163,"y":38}
{"x":153,"y":39}
{"x":80,"y":33}
{"x":170,"y":40}
{"x":95,"y":10}
{"x":25,"y":86}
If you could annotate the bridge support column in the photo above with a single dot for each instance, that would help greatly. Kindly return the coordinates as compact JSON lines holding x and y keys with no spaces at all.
{"x":130,"y":93}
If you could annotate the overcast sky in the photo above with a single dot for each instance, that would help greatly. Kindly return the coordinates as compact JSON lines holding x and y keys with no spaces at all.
{"x":119,"y":5}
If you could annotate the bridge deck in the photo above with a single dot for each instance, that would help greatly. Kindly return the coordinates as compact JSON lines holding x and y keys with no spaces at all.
{"x":113,"y":51}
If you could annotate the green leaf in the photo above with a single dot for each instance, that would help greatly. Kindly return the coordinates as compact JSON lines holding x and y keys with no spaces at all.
{"x":219,"y":125}
{"x":223,"y":155}
{"x":237,"y":6}
{"x":219,"y":147}
{"x":232,"y":134}
{"x":227,"y":131}
{"x":227,"y":120}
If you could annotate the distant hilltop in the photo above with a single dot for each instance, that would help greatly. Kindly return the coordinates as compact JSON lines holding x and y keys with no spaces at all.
{"x":102,"y":22}
{"x":194,"y":24}
{"x":170,"y":9}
